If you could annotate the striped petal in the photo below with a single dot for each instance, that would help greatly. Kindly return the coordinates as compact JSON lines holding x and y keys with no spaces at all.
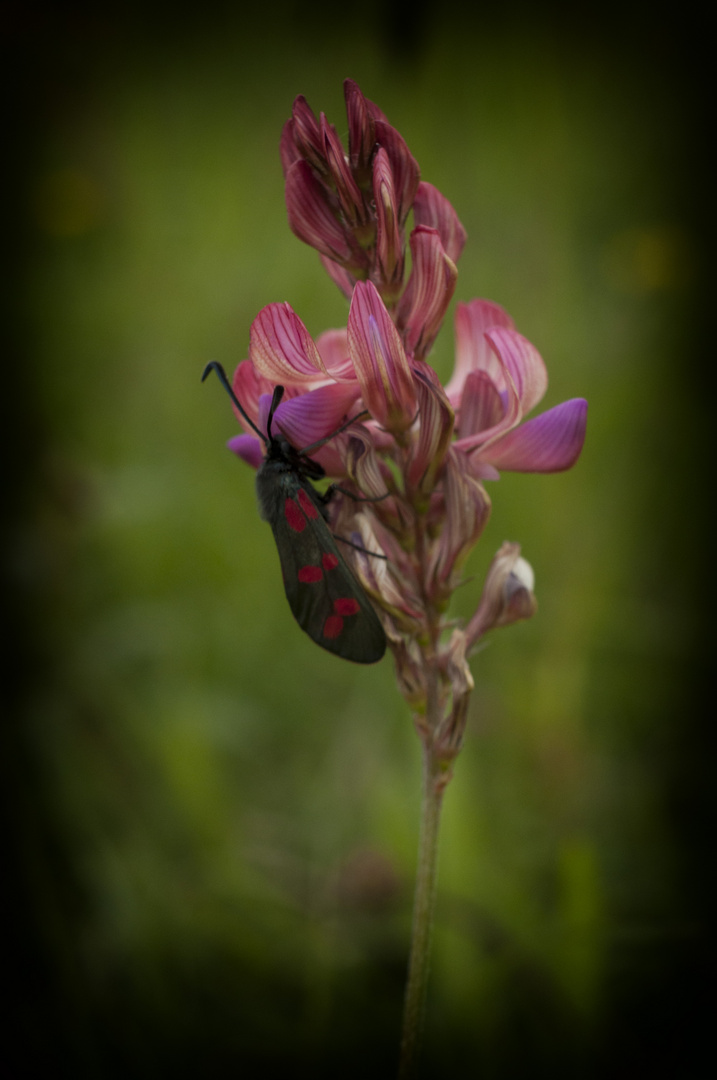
{"x":379,"y":359}
{"x":522,"y":362}
{"x":429,"y":290}
{"x":433,"y":209}
{"x":282,"y":349}
{"x":313,"y":213}
{"x":473,"y":353}
{"x":333,"y":346}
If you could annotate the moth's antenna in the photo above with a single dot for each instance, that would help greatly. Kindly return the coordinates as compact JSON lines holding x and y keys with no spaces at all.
{"x":221,"y":375}
{"x":275,"y":401}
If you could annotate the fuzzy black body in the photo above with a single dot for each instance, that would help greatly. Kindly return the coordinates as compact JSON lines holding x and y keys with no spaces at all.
{"x":325,"y":597}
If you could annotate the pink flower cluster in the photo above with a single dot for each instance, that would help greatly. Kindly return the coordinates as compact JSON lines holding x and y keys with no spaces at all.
{"x":426,"y":449}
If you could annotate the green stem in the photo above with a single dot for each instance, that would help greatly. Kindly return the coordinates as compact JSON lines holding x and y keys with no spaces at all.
{"x":424,"y":902}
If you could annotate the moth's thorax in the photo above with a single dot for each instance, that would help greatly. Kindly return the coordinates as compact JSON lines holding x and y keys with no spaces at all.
{"x":283,"y":470}
{"x":279,"y":451}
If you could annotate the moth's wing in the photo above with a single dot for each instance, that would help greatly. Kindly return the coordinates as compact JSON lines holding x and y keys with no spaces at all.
{"x":324,"y":596}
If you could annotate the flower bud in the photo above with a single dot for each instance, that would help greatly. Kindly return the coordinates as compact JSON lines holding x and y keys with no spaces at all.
{"x":349,"y":195}
{"x":449,"y":736}
{"x":507,"y":594}
{"x":313,"y":213}
{"x":466,"y":511}
{"x":362,"y":131}
{"x":389,"y":245}
{"x":307,"y":135}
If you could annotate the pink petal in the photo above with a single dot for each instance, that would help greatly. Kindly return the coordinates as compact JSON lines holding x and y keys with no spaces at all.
{"x":482,"y":407}
{"x":434,"y":432}
{"x":362,"y":131}
{"x":429,"y":291}
{"x":307,"y":134}
{"x":347,"y":189}
{"x":339,"y":275}
{"x":389,"y":248}
{"x":248,"y":387}
{"x":523,"y":363}
{"x":379,"y":359}
{"x":333,"y":346}
{"x":433,"y":209}
{"x":473,"y":352}
{"x":550,"y":442}
{"x":287,"y":147}
{"x":248,"y":448}
{"x":404,"y":166}
{"x":282,"y":349}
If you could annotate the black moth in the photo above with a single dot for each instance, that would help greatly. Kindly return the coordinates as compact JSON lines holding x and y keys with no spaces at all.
{"x":325,"y":597}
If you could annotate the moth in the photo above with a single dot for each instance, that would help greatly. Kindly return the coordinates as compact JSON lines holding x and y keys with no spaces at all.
{"x":324,"y":596}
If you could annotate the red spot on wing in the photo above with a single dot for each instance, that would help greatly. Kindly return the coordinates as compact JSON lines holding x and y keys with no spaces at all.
{"x":309,"y":574}
{"x":346,"y":605}
{"x":329,"y":561}
{"x":307,"y":505}
{"x":294,"y":517}
{"x":333,"y":626}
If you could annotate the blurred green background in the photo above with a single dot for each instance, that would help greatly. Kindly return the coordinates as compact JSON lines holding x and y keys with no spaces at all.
{"x":213,"y":823}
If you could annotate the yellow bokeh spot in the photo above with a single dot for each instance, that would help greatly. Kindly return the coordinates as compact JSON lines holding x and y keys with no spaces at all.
{"x":645,"y":260}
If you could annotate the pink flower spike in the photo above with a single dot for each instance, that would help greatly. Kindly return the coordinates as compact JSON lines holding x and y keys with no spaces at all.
{"x":313,"y":213}
{"x":548,"y":443}
{"x":433,"y":209}
{"x":282,"y":349}
{"x":429,"y":292}
{"x":473,"y":353}
{"x":248,"y":448}
{"x":380,"y":362}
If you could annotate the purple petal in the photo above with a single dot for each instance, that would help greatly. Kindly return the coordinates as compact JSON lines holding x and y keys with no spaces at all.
{"x":550,"y":442}
{"x":309,"y":417}
{"x":248,"y":448}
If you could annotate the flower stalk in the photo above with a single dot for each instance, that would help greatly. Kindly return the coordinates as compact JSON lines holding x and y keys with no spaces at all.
{"x":423,"y":908}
